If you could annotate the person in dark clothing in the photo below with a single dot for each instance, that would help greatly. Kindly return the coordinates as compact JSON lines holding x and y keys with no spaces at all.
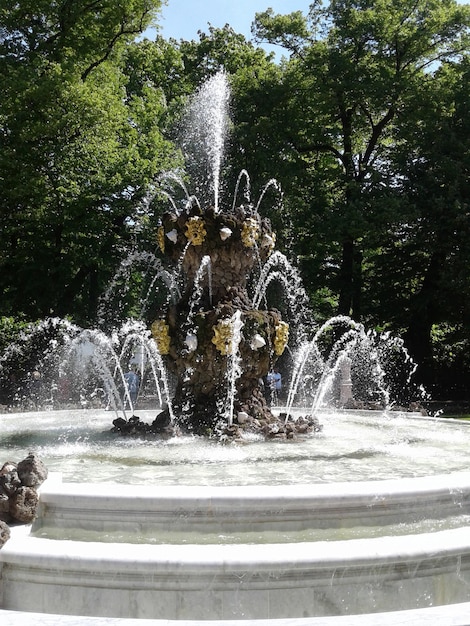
{"x":132,"y":380}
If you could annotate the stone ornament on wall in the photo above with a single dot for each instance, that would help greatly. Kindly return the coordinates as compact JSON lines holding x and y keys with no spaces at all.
{"x":19,"y":498}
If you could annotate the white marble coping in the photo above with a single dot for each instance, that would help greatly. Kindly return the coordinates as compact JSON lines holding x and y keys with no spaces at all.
{"x":455,"y":486}
{"x":321,"y":561}
{"x":195,"y":559}
{"x":449,"y":615}
{"x":231,"y":508}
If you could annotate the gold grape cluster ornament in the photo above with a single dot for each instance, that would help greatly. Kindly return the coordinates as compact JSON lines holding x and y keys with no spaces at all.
{"x":250,"y":232}
{"x":223,"y":337}
{"x":160,"y":333}
{"x":195,"y":231}
{"x":281,"y":338}
{"x":161,"y":238}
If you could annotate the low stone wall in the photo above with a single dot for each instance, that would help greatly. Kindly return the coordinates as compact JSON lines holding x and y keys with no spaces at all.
{"x":117,"y":508}
{"x":240,"y":582}
{"x":235,"y":582}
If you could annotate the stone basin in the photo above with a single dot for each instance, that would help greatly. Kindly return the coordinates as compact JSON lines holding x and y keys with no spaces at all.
{"x":397,"y":548}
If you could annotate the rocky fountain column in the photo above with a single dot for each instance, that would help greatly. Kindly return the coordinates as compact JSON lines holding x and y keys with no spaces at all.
{"x":216,"y":343}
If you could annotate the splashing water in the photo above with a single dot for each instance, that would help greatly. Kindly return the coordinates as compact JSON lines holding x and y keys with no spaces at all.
{"x":271,"y":183}
{"x":278,"y":269}
{"x":108,"y":308}
{"x":246,"y":195}
{"x":97,"y":348}
{"x":235,"y":364}
{"x":204,"y":268}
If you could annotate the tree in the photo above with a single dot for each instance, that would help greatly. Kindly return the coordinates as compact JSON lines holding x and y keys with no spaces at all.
{"x":78,"y":149}
{"x":354,"y":68}
{"x":428,"y":257}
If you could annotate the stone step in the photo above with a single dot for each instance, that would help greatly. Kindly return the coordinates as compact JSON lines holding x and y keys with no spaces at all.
{"x":289,"y":508}
{"x":229,"y":582}
{"x":452,"y":615}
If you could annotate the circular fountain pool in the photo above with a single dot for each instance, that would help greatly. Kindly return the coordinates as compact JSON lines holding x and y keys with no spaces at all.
{"x":353,"y":446}
{"x":370,"y":515}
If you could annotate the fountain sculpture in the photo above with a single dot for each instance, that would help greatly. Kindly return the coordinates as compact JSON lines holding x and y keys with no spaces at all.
{"x":214,"y":335}
{"x":219,"y":345}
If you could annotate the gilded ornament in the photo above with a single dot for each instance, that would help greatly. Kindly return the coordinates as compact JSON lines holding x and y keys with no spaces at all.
{"x":195,"y":231}
{"x":161,"y":238}
{"x":281,"y":338}
{"x":223,"y":336}
{"x":161,"y":335}
{"x":250,"y":232}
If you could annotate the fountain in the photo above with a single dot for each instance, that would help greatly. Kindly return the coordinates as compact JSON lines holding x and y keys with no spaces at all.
{"x":223,"y":507}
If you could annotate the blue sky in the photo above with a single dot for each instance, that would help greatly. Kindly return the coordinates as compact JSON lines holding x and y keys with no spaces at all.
{"x":182,"y":19}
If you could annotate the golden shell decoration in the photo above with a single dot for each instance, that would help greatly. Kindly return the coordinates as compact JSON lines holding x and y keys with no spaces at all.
{"x":161,"y":238}
{"x":195,"y":231}
{"x":281,"y":338}
{"x":250,"y":232}
{"x":223,"y":336}
{"x":161,"y":335}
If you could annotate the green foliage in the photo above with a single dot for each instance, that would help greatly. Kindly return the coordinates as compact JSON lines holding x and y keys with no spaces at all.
{"x":364,"y":123}
{"x":451,"y":353}
{"x":76,"y":35}
{"x":10,"y":330}
{"x":78,"y":149}
{"x":354,"y":69}
{"x":220,"y":48}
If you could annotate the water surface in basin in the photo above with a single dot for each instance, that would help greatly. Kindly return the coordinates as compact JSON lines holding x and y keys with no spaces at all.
{"x":353,"y":446}
{"x":190,"y":537}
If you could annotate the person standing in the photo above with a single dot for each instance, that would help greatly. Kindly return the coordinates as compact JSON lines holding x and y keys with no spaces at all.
{"x":274,"y":383}
{"x":132,"y":380}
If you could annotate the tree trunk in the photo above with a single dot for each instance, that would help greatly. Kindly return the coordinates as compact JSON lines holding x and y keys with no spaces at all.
{"x":423,"y":314}
{"x":350,"y":280}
